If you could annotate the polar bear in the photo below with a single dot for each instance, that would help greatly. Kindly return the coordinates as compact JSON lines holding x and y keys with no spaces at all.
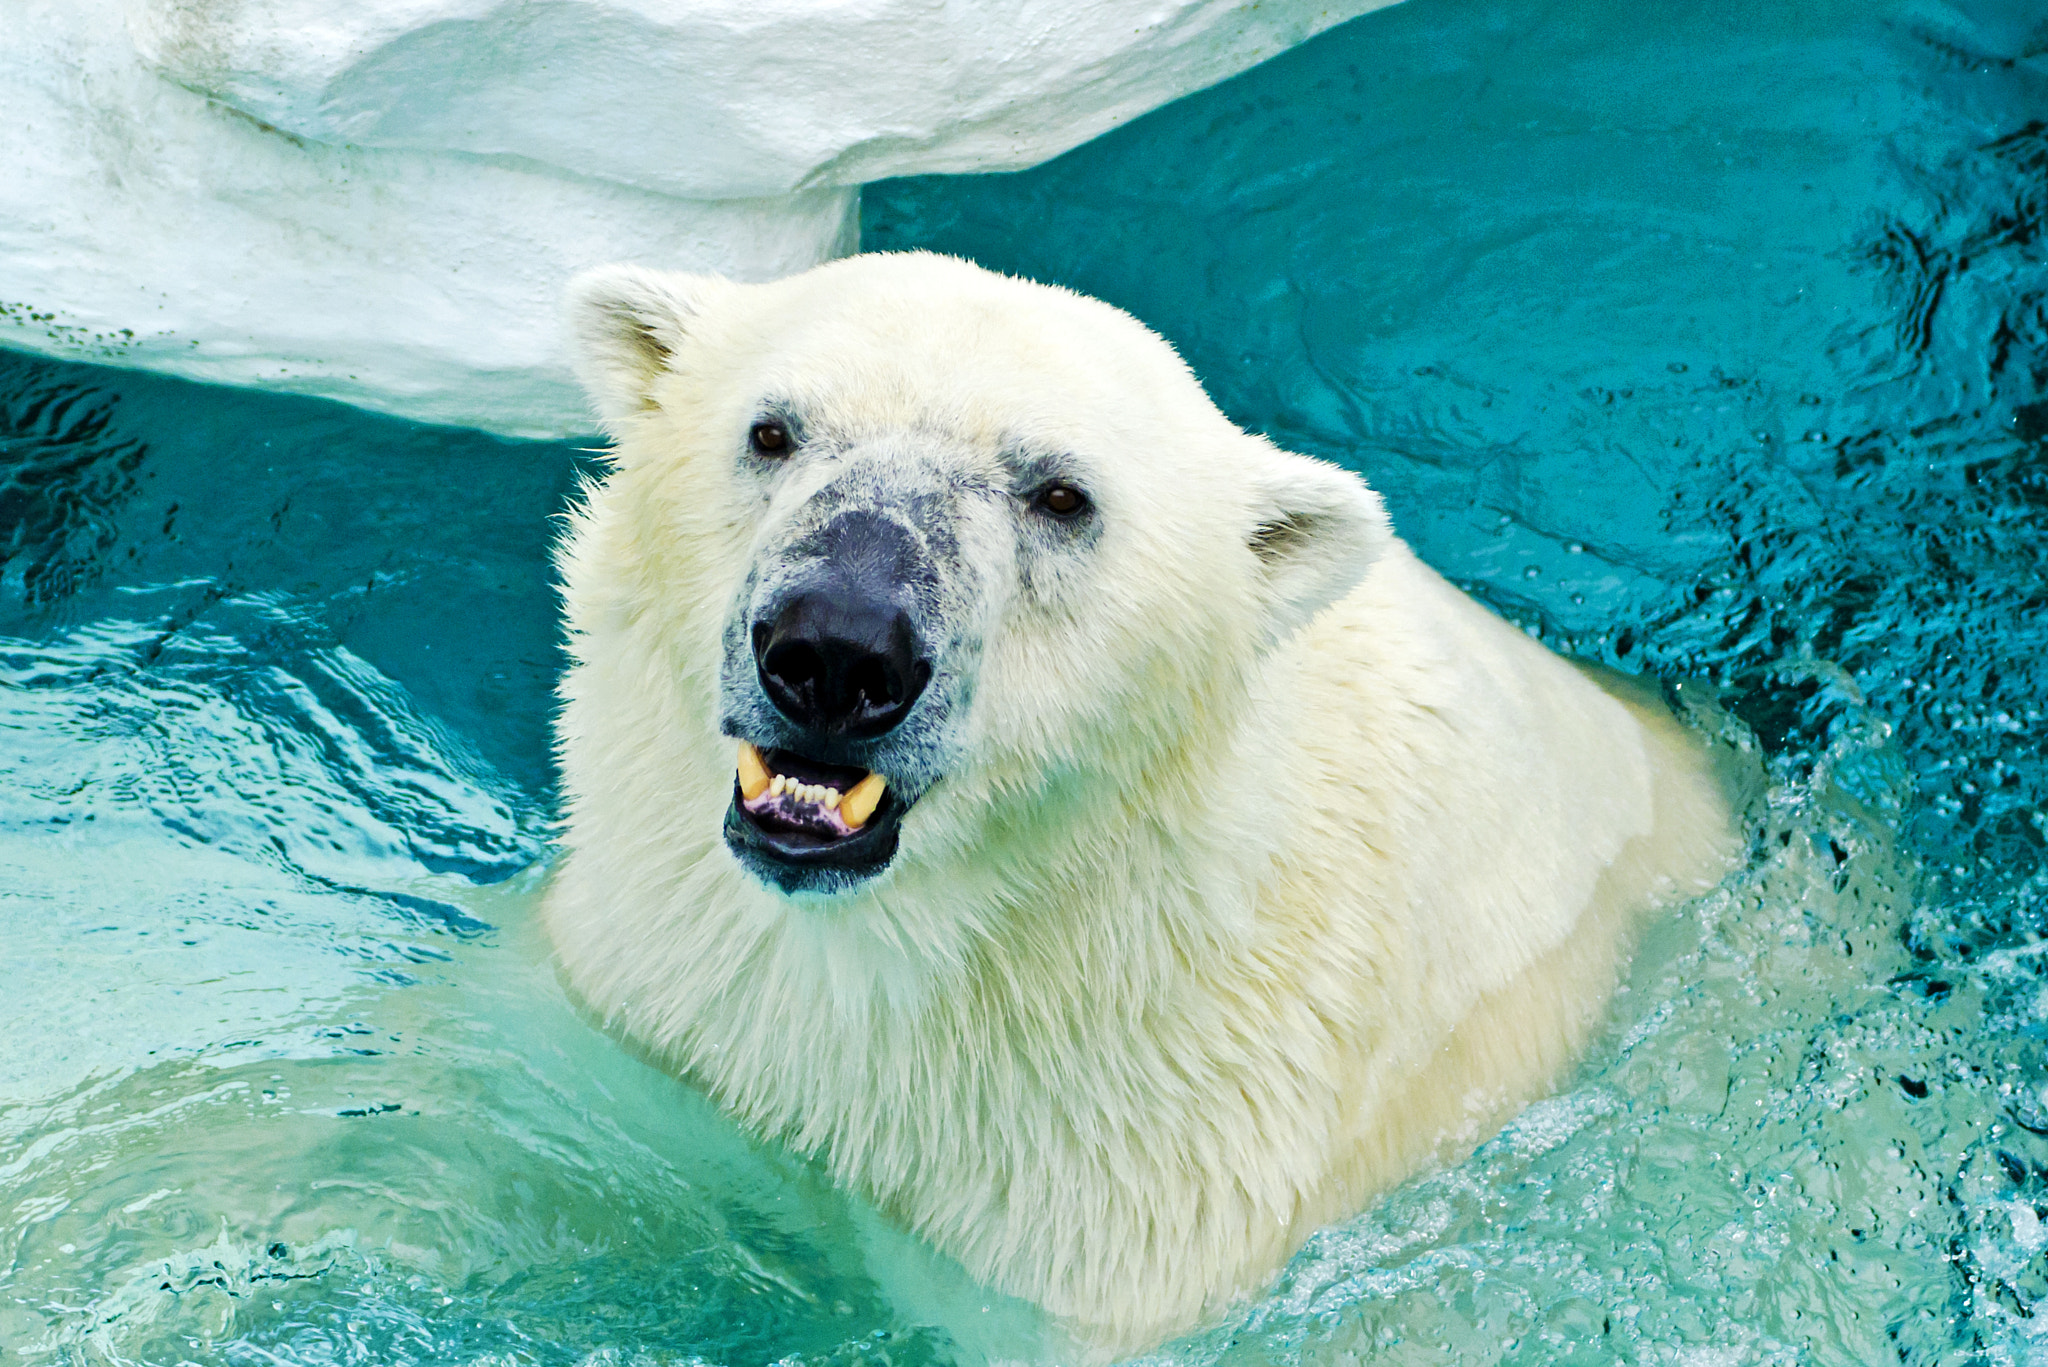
{"x":1082,"y":826}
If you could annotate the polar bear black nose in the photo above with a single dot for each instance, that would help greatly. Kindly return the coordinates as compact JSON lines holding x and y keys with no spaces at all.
{"x":840,"y":654}
{"x":841,"y":661}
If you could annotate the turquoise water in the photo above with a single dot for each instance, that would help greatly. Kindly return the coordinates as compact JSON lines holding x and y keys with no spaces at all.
{"x":1709,"y":342}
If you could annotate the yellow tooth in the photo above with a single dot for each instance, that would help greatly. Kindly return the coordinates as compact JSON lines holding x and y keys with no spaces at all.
{"x":753,"y":773}
{"x":861,"y":800}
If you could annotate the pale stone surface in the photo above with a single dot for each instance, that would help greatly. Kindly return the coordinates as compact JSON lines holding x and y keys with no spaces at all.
{"x":379,"y":202}
{"x":143,"y":224}
{"x":719,"y":98}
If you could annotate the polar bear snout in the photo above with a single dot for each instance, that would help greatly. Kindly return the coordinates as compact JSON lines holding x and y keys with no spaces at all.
{"x":836,"y":685}
{"x":841,"y":654}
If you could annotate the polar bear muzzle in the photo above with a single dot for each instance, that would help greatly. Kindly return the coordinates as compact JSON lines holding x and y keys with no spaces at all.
{"x":840,"y":663}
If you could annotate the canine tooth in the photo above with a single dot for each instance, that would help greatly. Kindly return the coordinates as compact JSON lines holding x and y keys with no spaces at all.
{"x":861,"y":800}
{"x":753,"y":773}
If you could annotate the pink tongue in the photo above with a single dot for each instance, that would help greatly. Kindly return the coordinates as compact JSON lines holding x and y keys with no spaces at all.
{"x":794,"y":811}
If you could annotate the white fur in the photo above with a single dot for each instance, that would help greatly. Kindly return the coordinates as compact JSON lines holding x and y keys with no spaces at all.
{"x":1274,"y":867}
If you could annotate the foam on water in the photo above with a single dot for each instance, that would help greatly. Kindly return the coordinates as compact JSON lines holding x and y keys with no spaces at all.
{"x":1709,"y":342}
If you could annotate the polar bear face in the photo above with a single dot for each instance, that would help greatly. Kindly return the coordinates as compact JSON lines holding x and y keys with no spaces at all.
{"x":938,"y":551}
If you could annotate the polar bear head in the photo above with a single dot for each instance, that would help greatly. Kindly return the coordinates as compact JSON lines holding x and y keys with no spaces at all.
{"x":945,"y":556}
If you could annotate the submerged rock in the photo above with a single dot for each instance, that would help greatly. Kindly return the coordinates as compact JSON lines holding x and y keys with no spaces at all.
{"x":379,"y":202}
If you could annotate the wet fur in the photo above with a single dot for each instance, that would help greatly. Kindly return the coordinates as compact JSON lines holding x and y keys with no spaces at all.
{"x":1259,"y":865}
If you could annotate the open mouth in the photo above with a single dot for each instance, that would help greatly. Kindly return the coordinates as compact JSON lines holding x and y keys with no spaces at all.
{"x":807,"y":826}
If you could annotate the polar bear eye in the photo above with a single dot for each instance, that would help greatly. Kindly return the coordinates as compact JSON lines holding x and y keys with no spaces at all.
{"x":1061,"y":500}
{"x":769,"y":438}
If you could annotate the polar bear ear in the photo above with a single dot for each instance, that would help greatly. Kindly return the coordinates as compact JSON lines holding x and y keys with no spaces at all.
{"x":1318,"y":529}
{"x":624,"y":324}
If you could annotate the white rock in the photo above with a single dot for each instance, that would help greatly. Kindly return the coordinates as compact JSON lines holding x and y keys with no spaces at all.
{"x":143,"y":224}
{"x":719,"y":99}
{"x":379,"y":201}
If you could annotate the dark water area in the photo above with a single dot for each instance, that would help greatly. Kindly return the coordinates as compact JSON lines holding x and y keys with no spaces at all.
{"x":289,"y":526}
{"x":1705,"y":342}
